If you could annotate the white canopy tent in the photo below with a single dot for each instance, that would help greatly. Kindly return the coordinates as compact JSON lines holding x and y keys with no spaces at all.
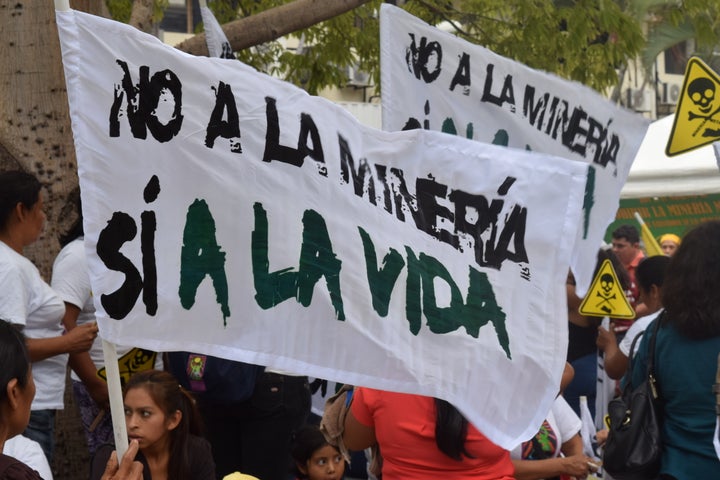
{"x":654,"y":174}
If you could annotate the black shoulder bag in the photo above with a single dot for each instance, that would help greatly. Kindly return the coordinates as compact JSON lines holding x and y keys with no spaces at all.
{"x":634,"y":449}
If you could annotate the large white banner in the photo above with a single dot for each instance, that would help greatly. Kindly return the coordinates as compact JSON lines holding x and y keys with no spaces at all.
{"x":437,"y":81}
{"x":229,"y":213}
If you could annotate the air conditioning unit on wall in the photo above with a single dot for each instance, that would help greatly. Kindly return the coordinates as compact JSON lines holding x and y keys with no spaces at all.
{"x":640,"y":100}
{"x":357,"y":78}
{"x":671,"y":91}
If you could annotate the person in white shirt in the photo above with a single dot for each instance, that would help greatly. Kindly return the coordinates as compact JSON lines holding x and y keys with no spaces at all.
{"x":28,"y":302}
{"x":650,"y":275}
{"x":30,"y":453}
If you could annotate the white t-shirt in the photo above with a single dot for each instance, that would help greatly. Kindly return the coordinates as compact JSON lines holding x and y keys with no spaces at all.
{"x":29,"y":301}
{"x":636,"y":329}
{"x":716,"y":437}
{"x":71,"y":280}
{"x":30,"y":453}
{"x":561,"y":424}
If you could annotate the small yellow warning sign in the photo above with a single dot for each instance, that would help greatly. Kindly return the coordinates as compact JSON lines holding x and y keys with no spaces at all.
{"x":134,"y":361}
{"x":697,"y":116}
{"x":606,"y":297}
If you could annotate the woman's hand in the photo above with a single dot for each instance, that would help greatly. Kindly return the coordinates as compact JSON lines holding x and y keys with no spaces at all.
{"x":579,"y":466}
{"x":81,"y":338}
{"x":129,"y":469}
{"x":606,"y":338}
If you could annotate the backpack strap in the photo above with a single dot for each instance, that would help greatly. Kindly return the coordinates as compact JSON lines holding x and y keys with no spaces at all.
{"x":716,"y":389}
{"x":650,"y":359}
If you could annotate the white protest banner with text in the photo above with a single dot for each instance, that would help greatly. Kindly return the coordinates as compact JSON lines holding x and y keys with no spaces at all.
{"x":231,"y":214}
{"x":437,"y":81}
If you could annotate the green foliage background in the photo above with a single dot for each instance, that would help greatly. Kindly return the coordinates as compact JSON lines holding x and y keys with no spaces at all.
{"x":589,"y":41}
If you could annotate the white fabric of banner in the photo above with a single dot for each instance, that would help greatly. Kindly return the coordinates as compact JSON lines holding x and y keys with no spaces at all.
{"x":217,"y":43}
{"x":230,"y":213}
{"x":434,"y":80}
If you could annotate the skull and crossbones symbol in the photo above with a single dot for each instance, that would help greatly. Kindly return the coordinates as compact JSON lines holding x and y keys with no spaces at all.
{"x":607,"y":282}
{"x":702,"y":93}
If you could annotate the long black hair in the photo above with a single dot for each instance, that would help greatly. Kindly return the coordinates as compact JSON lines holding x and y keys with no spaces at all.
{"x":16,"y":187}
{"x":73,"y":206}
{"x":651,"y":271}
{"x":450,"y":430}
{"x":14,"y":358}
{"x":691,"y":292}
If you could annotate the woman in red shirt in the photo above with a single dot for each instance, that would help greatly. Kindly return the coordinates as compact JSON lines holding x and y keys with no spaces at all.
{"x":422,"y":438}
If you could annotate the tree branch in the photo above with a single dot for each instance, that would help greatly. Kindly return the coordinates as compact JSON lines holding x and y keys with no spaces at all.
{"x":274,"y":23}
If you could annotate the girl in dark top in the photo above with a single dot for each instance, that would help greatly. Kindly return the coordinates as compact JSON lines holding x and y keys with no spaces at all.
{"x":162,"y":418}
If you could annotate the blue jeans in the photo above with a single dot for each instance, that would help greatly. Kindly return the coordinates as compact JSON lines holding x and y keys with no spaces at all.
{"x":584,"y":383}
{"x":41,"y":428}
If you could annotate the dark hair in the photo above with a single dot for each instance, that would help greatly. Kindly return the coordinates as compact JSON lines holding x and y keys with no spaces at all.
{"x":17,"y":187}
{"x":14,"y":358}
{"x":651,"y":271}
{"x":622,"y":274}
{"x":628,"y":232}
{"x":692,"y":282}
{"x":450,"y":430}
{"x":171,"y":397}
{"x":73,"y":205}
{"x":305,"y":441}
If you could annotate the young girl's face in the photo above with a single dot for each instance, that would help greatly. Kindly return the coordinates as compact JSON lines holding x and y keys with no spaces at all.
{"x":326,"y":463}
{"x":146,"y":421}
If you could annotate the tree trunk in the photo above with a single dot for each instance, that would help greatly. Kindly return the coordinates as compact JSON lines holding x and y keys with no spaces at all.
{"x":35,"y":133}
{"x":141,"y":16}
{"x":274,"y":23}
{"x":35,"y":136}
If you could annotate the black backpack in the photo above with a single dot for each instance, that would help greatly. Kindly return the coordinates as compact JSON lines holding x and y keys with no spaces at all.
{"x":633,"y":450}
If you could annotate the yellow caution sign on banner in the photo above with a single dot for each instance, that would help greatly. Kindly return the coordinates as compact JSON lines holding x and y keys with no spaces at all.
{"x":136,"y":360}
{"x":697,"y":116}
{"x":606,"y":297}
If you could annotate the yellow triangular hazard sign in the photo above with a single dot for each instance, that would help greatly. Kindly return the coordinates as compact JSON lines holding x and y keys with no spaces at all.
{"x":606,"y":297}
{"x":697,"y":116}
{"x":134,"y":361}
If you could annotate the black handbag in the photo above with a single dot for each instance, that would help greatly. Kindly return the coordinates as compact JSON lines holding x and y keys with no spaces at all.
{"x":634,"y":449}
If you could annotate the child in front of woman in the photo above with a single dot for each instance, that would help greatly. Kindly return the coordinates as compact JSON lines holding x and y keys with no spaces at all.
{"x":314,"y":457}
